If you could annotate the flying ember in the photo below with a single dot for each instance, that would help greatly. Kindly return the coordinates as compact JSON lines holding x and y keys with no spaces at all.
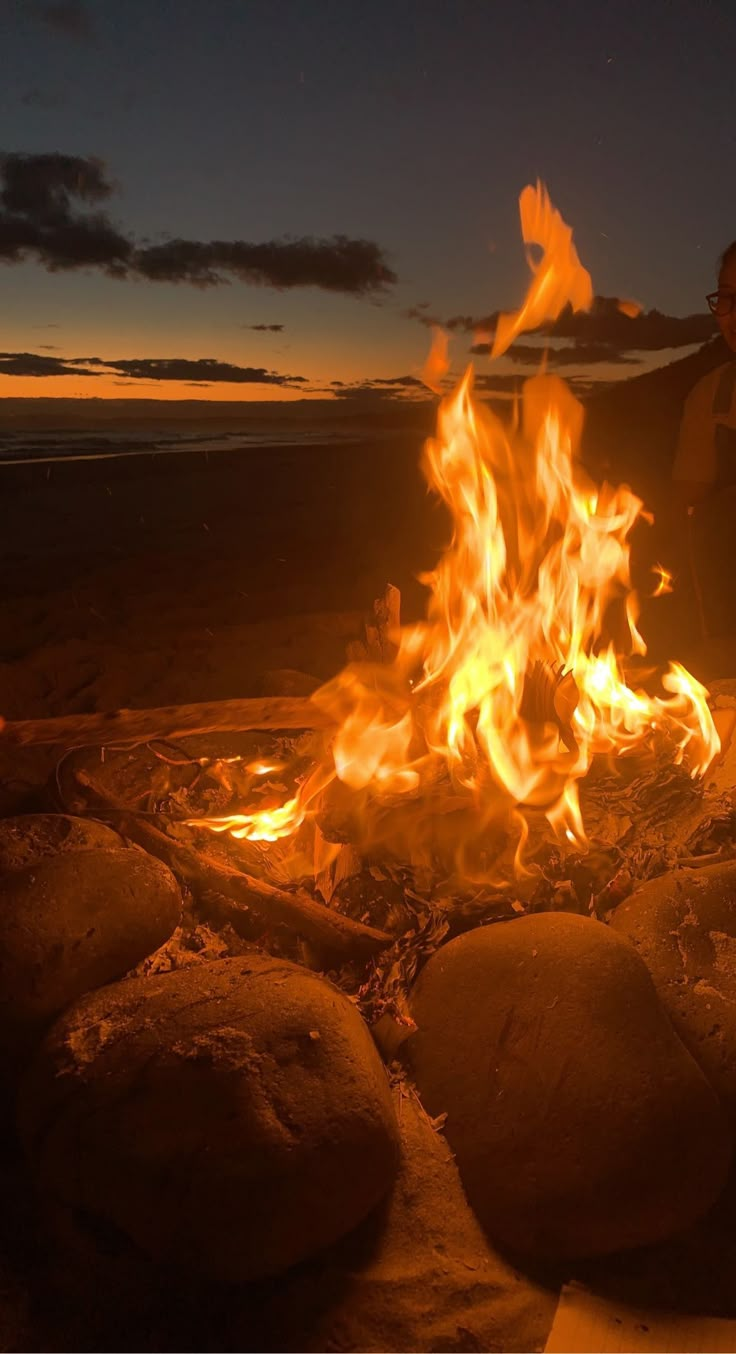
{"x":494,"y":707}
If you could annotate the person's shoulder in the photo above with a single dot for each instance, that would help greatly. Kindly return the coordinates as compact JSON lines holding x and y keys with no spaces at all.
{"x":701,"y":394}
{"x":706,"y":386}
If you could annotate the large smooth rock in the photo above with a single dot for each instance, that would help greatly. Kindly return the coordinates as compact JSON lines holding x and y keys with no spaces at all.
{"x":684,"y":927}
{"x":71,"y":922}
{"x":421,"y":1275}
{"x":418,"y":1274}
{"x":580,"y":1123}
{"x":232,"y":1119}
{"x":32,"y":837}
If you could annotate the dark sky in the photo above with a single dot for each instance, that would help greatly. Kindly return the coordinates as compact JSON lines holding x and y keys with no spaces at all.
{"x":411,"y":125}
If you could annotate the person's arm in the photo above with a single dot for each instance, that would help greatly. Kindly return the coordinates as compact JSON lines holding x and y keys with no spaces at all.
{"x":694,"y":469}
{"x":693,"y":474}
{"x":687,"y":494}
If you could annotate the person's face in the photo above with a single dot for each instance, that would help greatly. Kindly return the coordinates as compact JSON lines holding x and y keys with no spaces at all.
{"x":727,"y":288}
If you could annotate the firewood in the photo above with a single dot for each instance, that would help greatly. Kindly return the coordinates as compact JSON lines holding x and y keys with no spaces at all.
{"x":380,"y":630}
{"x":334,"y":933}
{"x":169,"y":721}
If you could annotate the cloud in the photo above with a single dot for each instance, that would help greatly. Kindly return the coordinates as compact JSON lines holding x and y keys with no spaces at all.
{"x":578,"y":354}
{"x":197,"y":369}
{"x":202,"y":370}
{"x":39,"y":219}
{"x":397,"y":381}
{"x":70,"y":17}
{"x":649,"y":330}
{"x":379,"y":388}
{"x":337,"y":264}
{"x":604,"y":324}
{"x":33,"y":364}
{"x":265,"y":328}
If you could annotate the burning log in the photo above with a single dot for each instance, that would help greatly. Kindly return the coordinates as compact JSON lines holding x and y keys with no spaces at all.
{"x":337,"y":935}
{"x":381,"y":630}
{"x":169,"y":721}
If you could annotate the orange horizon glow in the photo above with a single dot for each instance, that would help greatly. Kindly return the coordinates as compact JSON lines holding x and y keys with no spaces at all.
{"x":107,"y":388}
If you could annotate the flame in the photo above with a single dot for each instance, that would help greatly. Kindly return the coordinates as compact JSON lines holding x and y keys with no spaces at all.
{"x":664,"y":580}
{"x":559,"y":278}
{"x":495,"y":706}
{"x":437,"y":364}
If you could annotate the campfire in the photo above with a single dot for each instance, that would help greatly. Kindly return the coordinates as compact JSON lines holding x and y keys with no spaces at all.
{"x":375,"y":917}
{"x":488,"y":715}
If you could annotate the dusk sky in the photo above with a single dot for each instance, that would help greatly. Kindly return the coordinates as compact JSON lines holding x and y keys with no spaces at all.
{"x":339,"y":174}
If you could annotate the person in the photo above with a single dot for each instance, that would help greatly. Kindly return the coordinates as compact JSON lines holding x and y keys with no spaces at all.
{"x":704,"y":476}
{"x":706,"y":449}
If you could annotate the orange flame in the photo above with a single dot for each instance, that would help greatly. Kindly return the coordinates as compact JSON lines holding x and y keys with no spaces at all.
{"x":559,"y":277}
{"x":664,"y":580}
{"x":498,"y":702}
{"x":437,"y":364}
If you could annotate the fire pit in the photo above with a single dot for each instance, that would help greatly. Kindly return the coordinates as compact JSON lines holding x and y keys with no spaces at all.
{"x":441,"y":830}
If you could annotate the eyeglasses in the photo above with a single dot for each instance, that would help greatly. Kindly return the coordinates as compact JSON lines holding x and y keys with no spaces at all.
{"x":721,"y":302}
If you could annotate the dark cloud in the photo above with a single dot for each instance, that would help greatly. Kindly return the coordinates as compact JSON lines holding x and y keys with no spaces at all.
{"x":33,"y":364}
{"x":604,"y":324}
{"x":337,"y":264}
{"x":366,"y":391}
{"x":648,"y":331}
{"x":66,"y":16}
{"x":379,"y":388}
{"x":396,"y":381}
{"x":582,"y":354}
{"x":423,"y":314}
{"x":194,"y":369}
{"x":39,"y":218}
{"x":202,"y":370}
{"x":265,"y":328}
{"x":49,"y":347}
{"x":40,"y":187}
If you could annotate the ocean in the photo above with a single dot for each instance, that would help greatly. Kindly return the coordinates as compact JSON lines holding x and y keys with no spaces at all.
{"x":37,"y":434}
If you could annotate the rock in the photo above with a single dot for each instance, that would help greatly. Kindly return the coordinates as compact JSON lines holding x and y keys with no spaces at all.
{"x":31,"y":837}
{"x":580,"y":1123}
{"x":231,"y":1118}
{"x":683,"y":925}
{"x":71,"y":922}
{"x":419,"y":1275}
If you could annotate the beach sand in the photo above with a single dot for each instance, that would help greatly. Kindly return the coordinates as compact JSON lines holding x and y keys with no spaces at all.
{"x":163,"y":579}
{"x":170,"y":579}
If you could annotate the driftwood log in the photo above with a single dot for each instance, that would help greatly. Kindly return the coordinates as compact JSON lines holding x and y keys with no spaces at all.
{"x":168,"y":721}
{"x":334,"y":933}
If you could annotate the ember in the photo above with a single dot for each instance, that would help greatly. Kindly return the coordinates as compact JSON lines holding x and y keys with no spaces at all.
{"x":495,"y":706}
